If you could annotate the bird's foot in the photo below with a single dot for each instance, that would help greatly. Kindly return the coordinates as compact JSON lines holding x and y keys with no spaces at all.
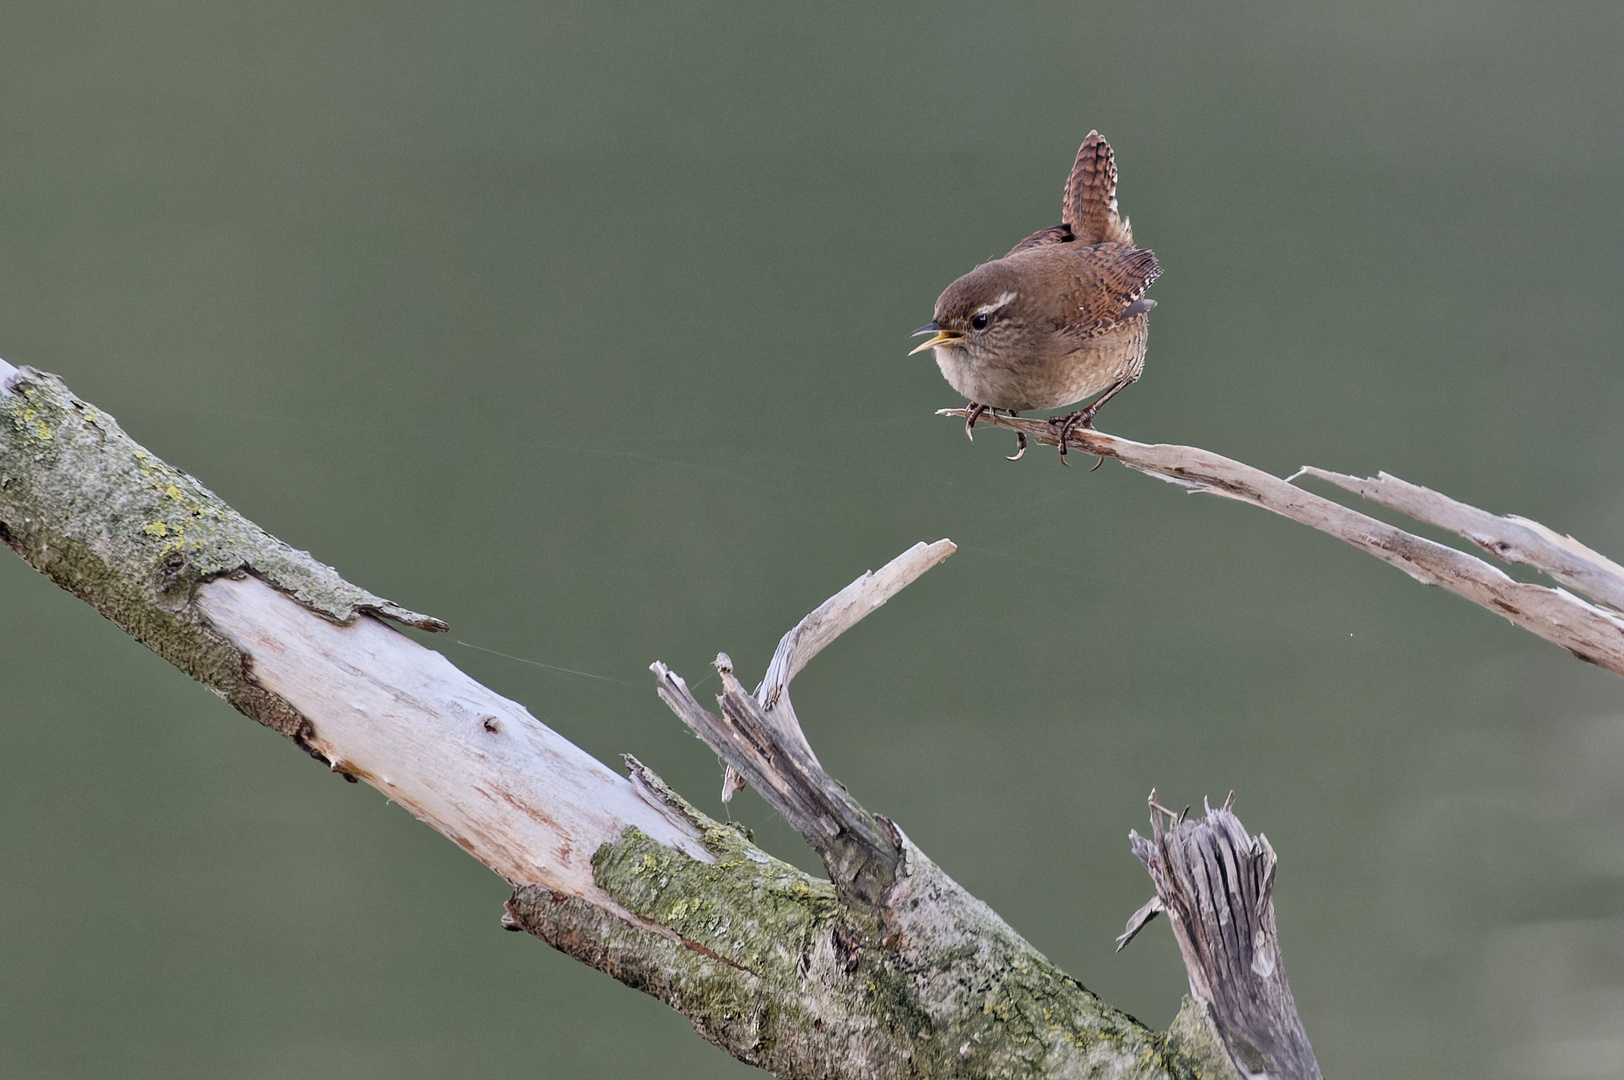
{"x":1020,"y":437}
{"x":1065,"y":425}
{"x":973,"y":414}
{"x":1083,"y":418}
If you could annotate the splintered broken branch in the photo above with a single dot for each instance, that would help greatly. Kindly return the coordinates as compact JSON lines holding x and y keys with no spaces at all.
{"x":760,"y":740}
{"x":859,"y":850}
{"x":893,"y":972}
{"x":886,"y":977}
{"x":1216,"y":882}
{"x":1589,"y":631}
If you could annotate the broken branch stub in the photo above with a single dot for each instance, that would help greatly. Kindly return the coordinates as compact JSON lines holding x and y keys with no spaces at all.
{"x":1215,"y":882}
{"x":860,"y":851}
{"x":760,"y":740}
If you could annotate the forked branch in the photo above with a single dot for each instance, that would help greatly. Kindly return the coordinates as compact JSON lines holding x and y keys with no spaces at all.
{"x":1509,"y":538}
{"x":897,"y":973}
{"x":1592,"y":632}
{"x":759,"y":738}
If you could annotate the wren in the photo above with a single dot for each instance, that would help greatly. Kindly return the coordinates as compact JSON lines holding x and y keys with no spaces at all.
{"x":1059,"y":319}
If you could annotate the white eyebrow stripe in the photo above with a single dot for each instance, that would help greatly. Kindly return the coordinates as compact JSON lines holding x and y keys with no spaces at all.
{"x":1003,"y":300}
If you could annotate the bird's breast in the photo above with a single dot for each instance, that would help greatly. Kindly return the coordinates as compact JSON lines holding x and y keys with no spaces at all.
{"x":1047,"y":369}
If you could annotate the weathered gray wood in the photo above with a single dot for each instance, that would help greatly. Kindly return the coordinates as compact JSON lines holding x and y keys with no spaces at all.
{"x":1216,"y":884}
{"x":897,"y":975}
{"x":808,"y":637}
{"x":860,"y":851}
{"x":1508,"y":537}
{"x":1593,"y":634}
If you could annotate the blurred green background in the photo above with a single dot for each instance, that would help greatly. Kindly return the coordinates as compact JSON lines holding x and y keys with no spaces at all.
{"x":583,"y":327}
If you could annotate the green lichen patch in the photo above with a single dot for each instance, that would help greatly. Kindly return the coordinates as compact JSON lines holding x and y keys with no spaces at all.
{"x":752,"y":909}
{"x":73,"y":476}
{"x":779,"y":958}
{"x":133,"y":536}
{"x":1196,"y":1046}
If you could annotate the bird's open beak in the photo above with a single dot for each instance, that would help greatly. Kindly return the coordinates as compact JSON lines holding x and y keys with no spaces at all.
{"x":943,"y":337}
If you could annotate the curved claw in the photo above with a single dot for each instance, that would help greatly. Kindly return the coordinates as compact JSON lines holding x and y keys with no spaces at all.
{"x":975,"y":412}
{"x":1069,"y":424}
{"x":1020,"y":446}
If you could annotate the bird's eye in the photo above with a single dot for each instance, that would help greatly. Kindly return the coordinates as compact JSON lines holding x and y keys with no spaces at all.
{"x":979,"y":322}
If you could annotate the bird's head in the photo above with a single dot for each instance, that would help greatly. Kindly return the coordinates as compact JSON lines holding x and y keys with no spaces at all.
{"x":976,"y":313}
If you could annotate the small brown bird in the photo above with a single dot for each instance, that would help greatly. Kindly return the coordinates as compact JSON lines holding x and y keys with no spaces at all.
{"x":1060,"y":318}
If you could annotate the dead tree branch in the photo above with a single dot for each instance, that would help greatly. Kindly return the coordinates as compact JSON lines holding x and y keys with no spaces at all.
{"x":1592,"y":632}
{"x":891,"y":971}
{"x":1509,"y":538}
{"x":760,"y":739}
{"x":1216,"y":883}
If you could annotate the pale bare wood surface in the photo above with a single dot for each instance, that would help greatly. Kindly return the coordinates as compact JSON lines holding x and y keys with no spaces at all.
{"x":479,"y":768}
{"x":1592,"y":633}
{"x":1508,"y":537}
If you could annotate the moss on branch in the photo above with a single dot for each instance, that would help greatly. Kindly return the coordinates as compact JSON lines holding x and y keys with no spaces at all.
{"x":133,"y":536}
{"x":769,"y":966}
{"x":763,"y":958}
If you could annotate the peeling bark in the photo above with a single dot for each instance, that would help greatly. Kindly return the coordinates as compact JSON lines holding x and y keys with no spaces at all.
{"x":889,"y":969}
{"x":132,"y":536}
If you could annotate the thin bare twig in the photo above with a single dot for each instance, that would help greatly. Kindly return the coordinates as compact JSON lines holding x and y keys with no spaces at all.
{"x":760,"y":740}
{"x":1508,"y":537}
{"x":1592,"y":633}
{"x":842,"y":611}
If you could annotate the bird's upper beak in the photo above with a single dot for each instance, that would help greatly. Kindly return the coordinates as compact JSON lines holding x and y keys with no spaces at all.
{"x":943,"y":337}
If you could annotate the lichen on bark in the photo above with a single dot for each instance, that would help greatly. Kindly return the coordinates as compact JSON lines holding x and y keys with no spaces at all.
{"x":133,"y":536}
{"x":1192,"y":1038}
{"x":768,"y":965}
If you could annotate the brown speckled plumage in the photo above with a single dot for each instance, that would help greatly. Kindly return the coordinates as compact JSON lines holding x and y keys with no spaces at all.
{"x":1062,"y":317}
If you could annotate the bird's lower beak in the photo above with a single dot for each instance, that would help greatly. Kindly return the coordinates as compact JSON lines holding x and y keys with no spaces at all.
{"x":943,"y":337}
